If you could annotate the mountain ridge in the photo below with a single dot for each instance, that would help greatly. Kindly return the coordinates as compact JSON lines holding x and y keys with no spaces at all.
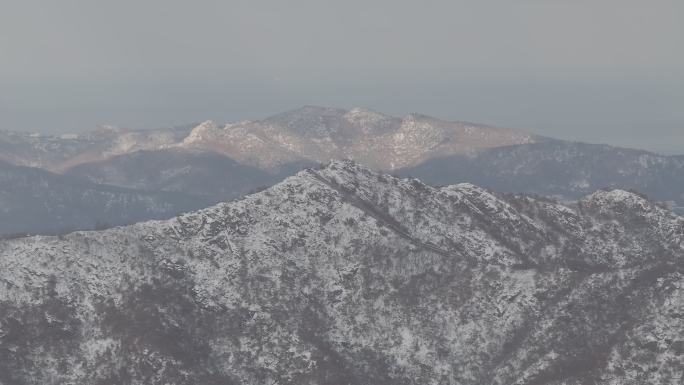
{"x":310,"y":133}
{"x":343,"y":275}
{"x":218,"y":163}
{"x":566,"y":170}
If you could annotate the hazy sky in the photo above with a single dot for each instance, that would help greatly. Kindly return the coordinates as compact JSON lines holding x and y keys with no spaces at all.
{"x":594,"y":70}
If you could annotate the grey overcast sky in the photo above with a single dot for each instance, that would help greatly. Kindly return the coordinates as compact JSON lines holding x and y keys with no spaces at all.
{"x":607,"y":71}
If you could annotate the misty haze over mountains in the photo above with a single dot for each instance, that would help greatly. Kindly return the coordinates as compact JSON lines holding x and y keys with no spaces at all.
{"x":251,"y":254}
{"x":483,"y":193}
{"x":115,"y":176}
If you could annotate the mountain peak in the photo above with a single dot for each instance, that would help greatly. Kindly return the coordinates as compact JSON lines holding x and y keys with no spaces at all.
{"x":306,"y":111}
{"x":619,"y":202}
{"x":346,"y":275}
{"x":345,"y":169}
{"x":200,"y":132}
{"x":207,"y":125}
{"x":368,"y":119}
{"x":304,"y":135}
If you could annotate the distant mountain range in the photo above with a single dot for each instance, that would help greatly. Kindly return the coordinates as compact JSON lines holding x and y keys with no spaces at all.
{"x":317,"y":134}
{"x":207,"y":174}
{"x":343,"y":275}
{"x":560,"y":169}
{"x":35,"y":201}
{"x":306,"y":135}
{"x":206,"y":163}
{"x":59,"y":153}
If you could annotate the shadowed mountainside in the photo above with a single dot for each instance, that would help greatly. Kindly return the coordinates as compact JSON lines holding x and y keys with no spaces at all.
{"x":565,"y":170}
{"x":36,"y":201}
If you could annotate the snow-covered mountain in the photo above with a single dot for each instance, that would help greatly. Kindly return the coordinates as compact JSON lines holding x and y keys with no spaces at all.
{"x":218,"y":163}
{"x":306,"y":135}
{"x":320,"y":134}
{"x":59,"y":153}
{"x":342,"y":275}
{"x":560,"y":169}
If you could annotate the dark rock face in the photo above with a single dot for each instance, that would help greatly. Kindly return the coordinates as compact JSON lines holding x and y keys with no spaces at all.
{"x":562,"y":169}
{"x":346,"y":276}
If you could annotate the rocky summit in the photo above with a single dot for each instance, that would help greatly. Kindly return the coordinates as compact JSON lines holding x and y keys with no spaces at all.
{"x":342,"y":275}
